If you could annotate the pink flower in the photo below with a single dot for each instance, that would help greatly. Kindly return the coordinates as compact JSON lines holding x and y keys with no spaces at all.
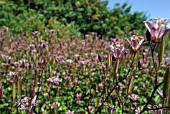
{"x":36,"y":33}
{"x":51,"y":33}
{"x":69,"y":61}
{"x":91,"y":109}
{"x":138,"y":110}
{"x":117,"y":50}
{"x":55,"y":104}
{"x":135,"y":42}
{"x":6,"y":58}
{"x":159,"y":111}
{"x":55,"y":80}
{"x":157,"y":29}
{"x":111,"y":109}
{"x":134,"y":97}
{"x":27,"y":101}
{"x":0,"y":92}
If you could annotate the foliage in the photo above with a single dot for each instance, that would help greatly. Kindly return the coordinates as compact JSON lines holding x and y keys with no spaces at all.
{"x":88,"y":15}
{"x":18,"y":16}
{"x":43,"y":74}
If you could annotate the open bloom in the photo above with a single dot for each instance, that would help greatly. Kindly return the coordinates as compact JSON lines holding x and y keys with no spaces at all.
{"x":159,"y":111}
{"x":51,"y":33}
{"x":25,"y":103}
{"x":134,"y":97}
{"x":157,"y":29}
{"x":55,"y":80}
{"x":118,"y":50}
{"x":36,"y":33}
{"x":135,"y":42}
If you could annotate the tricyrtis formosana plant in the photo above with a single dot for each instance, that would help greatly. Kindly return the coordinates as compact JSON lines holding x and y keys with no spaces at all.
{"x":49,"y":75}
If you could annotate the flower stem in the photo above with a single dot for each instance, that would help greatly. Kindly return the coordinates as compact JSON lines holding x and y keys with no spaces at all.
{"x":105,"y":100}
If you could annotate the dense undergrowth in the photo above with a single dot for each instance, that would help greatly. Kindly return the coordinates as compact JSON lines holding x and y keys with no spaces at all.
{"x":44,"y":74}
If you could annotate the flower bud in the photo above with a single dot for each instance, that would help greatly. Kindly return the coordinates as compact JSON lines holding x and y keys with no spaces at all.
{"x":130,"y":85}
{"x":32,"y":92}
{"x":161,"y":51}
{"x":148,"y":35}
{"x":20,"y":31}
{"x":0,"y":92}
{"x":6,"y":67}
{"x":100,"y":58}
{"x":139,"y":65}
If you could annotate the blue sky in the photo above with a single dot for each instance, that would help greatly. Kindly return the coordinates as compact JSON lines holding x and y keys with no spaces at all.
{"x":153,"y":8}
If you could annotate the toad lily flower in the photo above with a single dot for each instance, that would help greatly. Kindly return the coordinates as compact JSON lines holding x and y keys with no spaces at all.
{"x":157,"y":30}
{"x":117,"y":50}
{"x":135,"y":43}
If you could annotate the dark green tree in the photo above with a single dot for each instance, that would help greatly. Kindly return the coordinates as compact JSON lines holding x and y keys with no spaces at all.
{"x":89,"y":15}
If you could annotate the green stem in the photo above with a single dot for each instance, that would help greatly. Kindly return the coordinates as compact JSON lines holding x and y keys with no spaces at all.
{"x":105,"y":100}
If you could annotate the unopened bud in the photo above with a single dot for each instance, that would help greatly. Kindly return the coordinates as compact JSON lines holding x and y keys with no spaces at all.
{"x":139,"y":65}
{"x":6,"y":67}
{"x":148,"y":35}
{"x":20,"y":31}
{"x":100,"y":58}
{"x":161,"y":51}
{"x":32,"y":92}
{"x":0,"y":92}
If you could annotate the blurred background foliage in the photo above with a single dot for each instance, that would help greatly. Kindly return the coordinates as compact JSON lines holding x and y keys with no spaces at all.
{"x":71,"y":16}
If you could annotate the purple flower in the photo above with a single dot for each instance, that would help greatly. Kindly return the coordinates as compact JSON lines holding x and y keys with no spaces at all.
{"x":157,"y":29}
{"x":60,"y":59}
{"x":91,"y":109}
{"x":159,"y":111}
{"x":69,"y":61}
{"x":135,"y":43}
{"x":0,"y":92}
{"x":55,"y":104}
{"x":138,"y":110}
{"x":6,"y":58}
{"x":134,"y":97}
{"x":25,"y":103}
{"x":55,"y":80}
{"x":5,"y":29}
{"x":36,"y":33}
{"x":79,"y":96}
{"x":111,"y":109}
{"x":12,"y":76}
{"x":20,"y":31}
{"x":117,"y":50}
{"x":51,"y":33}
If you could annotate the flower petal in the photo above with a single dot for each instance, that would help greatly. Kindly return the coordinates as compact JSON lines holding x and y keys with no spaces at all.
{"x":117,"y":53}
{"x":123,"y":51}
{"x":166,"y":31}
{"x":140,"y":44}
{"x":161,"y":31}
{"x":134,"y":43}
{"x":149,"y":26}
